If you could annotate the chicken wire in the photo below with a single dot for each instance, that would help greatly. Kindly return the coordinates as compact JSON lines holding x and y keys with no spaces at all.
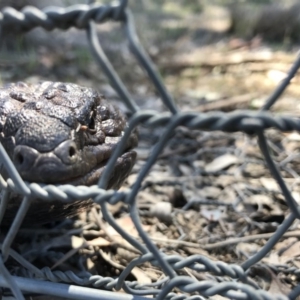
{"x":74,"y":286}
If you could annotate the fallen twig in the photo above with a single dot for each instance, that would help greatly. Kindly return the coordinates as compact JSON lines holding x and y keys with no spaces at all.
{"x":226,"y":103}
{"x":228,"y":242}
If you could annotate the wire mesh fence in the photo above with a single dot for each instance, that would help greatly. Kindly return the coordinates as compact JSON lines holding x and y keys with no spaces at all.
{"x":31,"y":279}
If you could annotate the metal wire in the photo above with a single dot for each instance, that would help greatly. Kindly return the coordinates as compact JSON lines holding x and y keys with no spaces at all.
{"x":28,"y":278}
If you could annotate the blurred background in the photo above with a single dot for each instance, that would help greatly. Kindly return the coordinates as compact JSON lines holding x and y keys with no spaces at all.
{"x":211,"y":54}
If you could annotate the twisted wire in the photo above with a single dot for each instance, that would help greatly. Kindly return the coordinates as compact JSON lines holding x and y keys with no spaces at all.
{"x":197,"y":263}
{"x":50,"y":18}
{"x":231,"y":122}
{"x":207,"y":288}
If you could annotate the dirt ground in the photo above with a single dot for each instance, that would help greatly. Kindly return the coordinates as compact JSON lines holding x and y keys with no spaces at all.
{"x":209,"y":193}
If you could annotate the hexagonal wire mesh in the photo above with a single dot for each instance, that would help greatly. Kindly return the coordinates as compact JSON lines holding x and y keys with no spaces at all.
{"x":44,"y":281}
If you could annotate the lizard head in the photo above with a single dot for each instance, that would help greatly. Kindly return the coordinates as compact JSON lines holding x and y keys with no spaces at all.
{"x":62,"y":133}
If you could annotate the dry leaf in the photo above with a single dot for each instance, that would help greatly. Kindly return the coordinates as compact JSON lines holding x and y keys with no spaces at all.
{"x":277,"y":286}
{"x":276,"y":76}
{"x":272,"y":259}
{"x":127,"y":225}
{"x":100,"y":242}
{"x":285,"y":244}
{"x":108,"y":258}
{"x":294,"y":136}
{"x":141,"y":276}
{"x":185,"y":170}
{"x":162,"y":211}
{"x":211,"y":192}
{"x":249,"y":248}
{"x":270,"y":184}
{"x":290,"y":253}
{"x":260,"y":200}
{"x":212,"y":215}
{"x":296,"y":196}
{"x":221,"y":162}
{"x":90,"y":265}
{"x":77,"y":241}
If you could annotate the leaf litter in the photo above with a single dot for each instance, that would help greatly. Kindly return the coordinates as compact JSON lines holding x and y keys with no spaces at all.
{"x":219,"y":209}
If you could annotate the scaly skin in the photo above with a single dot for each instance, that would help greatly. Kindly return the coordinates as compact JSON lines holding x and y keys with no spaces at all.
{"x":60,"y":133}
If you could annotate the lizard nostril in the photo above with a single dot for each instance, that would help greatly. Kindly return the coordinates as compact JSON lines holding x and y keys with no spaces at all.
{"x":19,"y":158}
{"x":24,"y":158}
{"x":72,"y":151}
{"x":67,"y":152}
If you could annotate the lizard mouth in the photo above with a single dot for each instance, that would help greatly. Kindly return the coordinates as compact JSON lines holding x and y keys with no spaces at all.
{"x":41,"y":212}
{"x":66,"y":164}
{"x":121,"y":170}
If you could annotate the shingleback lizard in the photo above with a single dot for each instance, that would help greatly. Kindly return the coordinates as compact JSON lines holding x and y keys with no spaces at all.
{"x":60,"y":133}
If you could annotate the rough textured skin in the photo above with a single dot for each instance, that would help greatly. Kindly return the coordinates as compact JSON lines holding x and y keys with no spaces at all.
{"x":60,"y":133}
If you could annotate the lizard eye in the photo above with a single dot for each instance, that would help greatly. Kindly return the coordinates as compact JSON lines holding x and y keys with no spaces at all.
{"x":91,"y":124}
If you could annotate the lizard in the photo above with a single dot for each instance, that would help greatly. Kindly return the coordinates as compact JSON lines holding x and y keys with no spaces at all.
{"x":60,"y":133}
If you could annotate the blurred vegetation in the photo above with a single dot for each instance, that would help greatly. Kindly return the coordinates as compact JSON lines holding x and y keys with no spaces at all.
{"x":166,"y":28}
